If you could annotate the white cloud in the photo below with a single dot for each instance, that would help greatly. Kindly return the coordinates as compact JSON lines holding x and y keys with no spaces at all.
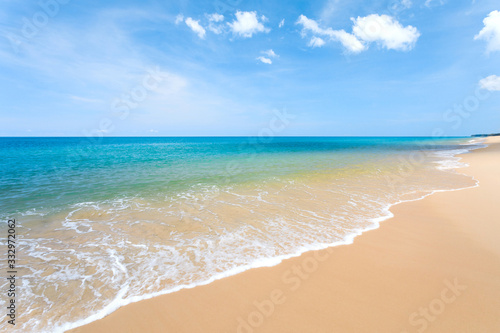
{"x":491,"y":83}
{"x":270,"y":54}
{"x":179,"y":18}
{"x":216,"y":29}
{"x":381,"y":29}
{"x":400,"y":5}
{"x":265,"y":60}
{"x":196,"y":27}
{"x":282,"y":23}
{"x":349,"y":41}
{"x":214,"y":23}
{"x":316,"y":42}
{"x":215,"y":17}
{"x":491,"y":31}
{"x":386,"y":31}
{"x":308,"y":24}
{"x":247,"y":24}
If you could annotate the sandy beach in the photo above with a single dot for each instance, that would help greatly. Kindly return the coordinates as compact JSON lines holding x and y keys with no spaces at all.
{"x":433,"y":267}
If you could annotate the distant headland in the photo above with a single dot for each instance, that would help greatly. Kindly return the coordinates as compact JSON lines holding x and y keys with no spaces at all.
{"x":484,"y":135}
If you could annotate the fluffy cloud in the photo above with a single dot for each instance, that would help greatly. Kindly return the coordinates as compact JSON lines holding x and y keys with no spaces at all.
{"x":381,"y":29}
{"x":196,"y":27}
{"x":247,"y":24}
{"x":265,"y":60}
{"x":386,"y":31}
{"x":491,"y":83}
{"x":491,"y":31}
{"x":282,"y":23}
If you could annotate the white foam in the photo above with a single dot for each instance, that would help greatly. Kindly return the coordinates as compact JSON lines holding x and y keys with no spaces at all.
{"x":259,"y":263}
{"x":450,"y":159}
{"x":119,"y":301}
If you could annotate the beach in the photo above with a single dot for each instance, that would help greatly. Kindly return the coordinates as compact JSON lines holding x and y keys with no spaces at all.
{"x":433,"y":267}
{"x":242,"y":234}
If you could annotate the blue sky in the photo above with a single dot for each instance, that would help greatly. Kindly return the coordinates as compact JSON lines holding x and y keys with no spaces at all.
{"x":233,"y":67}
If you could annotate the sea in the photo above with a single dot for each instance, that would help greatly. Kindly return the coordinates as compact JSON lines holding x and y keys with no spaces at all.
{"x":104,"y":222}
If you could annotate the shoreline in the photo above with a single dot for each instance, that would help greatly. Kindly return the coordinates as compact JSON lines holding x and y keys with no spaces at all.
{"x":191,"y":298}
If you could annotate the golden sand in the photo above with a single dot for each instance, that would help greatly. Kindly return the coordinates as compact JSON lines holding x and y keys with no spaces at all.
{"x":434,"y":267}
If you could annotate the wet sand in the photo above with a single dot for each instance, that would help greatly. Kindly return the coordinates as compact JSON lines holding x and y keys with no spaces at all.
{"x":434,"y":267}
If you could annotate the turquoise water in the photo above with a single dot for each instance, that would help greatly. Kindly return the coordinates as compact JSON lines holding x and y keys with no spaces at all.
{"x":106,"y":222}
{"x":50,"y":173}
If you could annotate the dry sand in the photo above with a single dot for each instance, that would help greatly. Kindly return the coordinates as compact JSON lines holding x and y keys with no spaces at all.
{"x":434,"y":267}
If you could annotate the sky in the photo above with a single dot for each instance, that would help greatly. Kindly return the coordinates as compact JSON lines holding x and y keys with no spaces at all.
{"x":249,"y":68}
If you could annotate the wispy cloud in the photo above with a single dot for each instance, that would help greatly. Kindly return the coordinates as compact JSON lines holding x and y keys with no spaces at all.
{"x":179,"y":19}
{"x":329,"y":9}
{"x":196,"y":27}
{"x":406,"y":3}
{"x":270,"y":53}
{"x":398,"y":6}
{"x":349,"y":41}
{"x":215,"y":23}
{"x":316,"y":42}
{"x":430,"y":3}
{"x":215,"y":17}
{"x":87,"y":67}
